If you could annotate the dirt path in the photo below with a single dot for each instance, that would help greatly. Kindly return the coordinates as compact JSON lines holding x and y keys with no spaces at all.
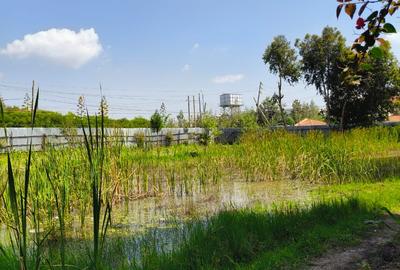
{"x":380,"y":250}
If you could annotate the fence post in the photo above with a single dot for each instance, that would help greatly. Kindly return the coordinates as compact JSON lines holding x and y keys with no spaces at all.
{"x":44,"y":141}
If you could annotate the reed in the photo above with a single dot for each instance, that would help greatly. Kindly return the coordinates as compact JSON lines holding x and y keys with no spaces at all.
{"x":87,"y":180}
{"x":17,"y":201}
{"x":95,"y":146}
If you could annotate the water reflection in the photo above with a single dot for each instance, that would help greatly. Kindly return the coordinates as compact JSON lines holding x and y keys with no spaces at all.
{"x":139,"y":215}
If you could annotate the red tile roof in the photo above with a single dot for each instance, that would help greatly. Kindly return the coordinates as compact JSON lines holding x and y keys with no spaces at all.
{"x":394,"y":118}
{"x":310,"y":122}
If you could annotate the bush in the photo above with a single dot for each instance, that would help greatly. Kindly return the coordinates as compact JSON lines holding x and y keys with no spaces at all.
{"x":139,"y":139}
{"x":169,"y":138}
{"x":205,"y":138}
{"x":156,"y":122}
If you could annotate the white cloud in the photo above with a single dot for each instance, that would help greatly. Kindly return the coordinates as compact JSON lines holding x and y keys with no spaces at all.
{"x":186,"y":68}
{"x":229,"y":78}
{"x":61,"y":46}
{"x":195,"y":47}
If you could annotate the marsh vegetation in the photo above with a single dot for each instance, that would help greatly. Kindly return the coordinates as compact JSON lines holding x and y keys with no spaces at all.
{"x":58,"y":205}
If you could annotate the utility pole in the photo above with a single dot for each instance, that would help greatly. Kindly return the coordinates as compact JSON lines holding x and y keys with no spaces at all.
{"x":200,"y":108}
{"x":194,"y":112}
{"x":258,"y":99}
{"x":204,"y":103}
{"x":188,"y":100}
{"x":260,"y":113}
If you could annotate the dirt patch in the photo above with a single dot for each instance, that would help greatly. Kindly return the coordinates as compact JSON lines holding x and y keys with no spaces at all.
{"x":380,"y":250}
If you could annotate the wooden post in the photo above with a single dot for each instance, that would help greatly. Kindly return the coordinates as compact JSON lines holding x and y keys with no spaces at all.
{"x":194,"y":112}
{"x":188,"y":100}
{"x":200,"y":108}
{"x":44,"y":142}
{"x":204,"y":104}
{"x":258,"y":101}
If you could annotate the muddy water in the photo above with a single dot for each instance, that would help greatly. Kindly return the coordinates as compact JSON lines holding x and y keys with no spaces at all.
{"x":158,"y":212}
{"x":163,"y":219}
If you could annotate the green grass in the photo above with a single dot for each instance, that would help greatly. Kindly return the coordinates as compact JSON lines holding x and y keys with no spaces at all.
{"x":259,"y":239}
{"x":280,"y":238}
{"x":385,"y":193}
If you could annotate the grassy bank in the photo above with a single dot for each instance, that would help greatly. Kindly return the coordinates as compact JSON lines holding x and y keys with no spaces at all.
{"x":256,"y":239}
{"x":284,"y":237}
{"x":385,"y":193}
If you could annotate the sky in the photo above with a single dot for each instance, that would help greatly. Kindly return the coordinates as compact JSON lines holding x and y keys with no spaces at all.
{"x":143,"y":53}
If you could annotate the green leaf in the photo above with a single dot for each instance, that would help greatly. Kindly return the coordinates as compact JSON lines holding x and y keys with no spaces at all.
{"x":369,"y":40}
{"x":389,"y":28}
{"x":366,"y":66}
{"x":376,"y":52}
{"x":362,"y":9}
{"x":372,"y":16}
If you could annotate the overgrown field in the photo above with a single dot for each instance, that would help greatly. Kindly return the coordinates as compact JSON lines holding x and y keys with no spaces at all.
{"x":64,"y":182}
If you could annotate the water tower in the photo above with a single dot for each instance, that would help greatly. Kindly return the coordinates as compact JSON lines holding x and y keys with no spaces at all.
{"x":231,"y":101}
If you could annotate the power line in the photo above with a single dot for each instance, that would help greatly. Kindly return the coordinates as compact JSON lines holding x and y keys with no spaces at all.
{"x":66,"y":92}
{"x":116,"y":106}
{"x":118,"y":97}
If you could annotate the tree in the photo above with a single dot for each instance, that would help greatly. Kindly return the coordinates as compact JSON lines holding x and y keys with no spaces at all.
{"x":163,"y":112}
{"x":373,"y":25}
{"x":304,"y":110}
{"x":270,"y":109}
{"x":181,"y":119}
{"x":366,"y":91}
{"x":323,"y":59}
{"x":27,"y":105}
{"x":297,"y":112}
{"x":282,"y":61}
{"x":210,"y":123}
{"x":156,"y":122}
{"x":245,"y":120}
{"x":396,"y":105}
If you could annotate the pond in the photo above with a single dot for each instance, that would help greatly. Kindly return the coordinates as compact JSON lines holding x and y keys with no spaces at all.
{"x":139,"y":215}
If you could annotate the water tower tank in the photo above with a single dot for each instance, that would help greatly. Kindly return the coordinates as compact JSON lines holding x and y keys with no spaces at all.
{"x":230,"y":100}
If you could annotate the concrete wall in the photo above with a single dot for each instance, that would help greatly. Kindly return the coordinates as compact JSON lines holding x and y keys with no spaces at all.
{"x":19,"y":138}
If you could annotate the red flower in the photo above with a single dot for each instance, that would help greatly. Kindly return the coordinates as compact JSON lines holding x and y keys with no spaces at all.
{"x":360,"y":23}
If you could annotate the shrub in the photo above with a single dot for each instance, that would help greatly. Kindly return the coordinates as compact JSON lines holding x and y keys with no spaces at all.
{"x":169,"y":138}
{"x":139,"y":139}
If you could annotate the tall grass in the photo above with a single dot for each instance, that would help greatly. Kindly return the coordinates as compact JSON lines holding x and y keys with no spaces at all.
{"x":280,"y":238}
{"x":358,"y":155}
{"x":17,"y":200}
{"x":87,"y":180}
{"x":95,"y":146}
{"x":113,"y":173}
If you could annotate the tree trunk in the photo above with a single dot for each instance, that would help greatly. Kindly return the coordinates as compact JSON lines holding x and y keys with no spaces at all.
{"x":327,"y":99}
{"x":343,"y":114}
{"x":280,"y":97}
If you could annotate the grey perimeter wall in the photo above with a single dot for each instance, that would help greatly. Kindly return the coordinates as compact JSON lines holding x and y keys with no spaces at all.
{"x":19,"y":138}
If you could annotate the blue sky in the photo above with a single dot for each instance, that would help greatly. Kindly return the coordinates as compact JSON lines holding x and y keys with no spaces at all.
{"x":147,"y":52}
